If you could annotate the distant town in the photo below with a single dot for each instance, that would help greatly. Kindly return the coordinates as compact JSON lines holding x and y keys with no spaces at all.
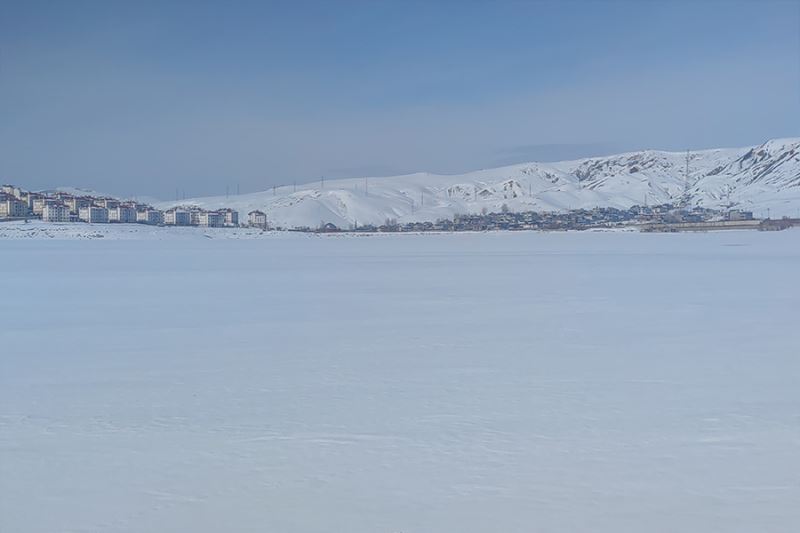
{"x":62,"y":207}
{"x":659,"y":218}
{"x":58,"y":207}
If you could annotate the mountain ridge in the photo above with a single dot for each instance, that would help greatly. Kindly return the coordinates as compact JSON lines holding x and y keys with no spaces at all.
{"x":762,"y":178}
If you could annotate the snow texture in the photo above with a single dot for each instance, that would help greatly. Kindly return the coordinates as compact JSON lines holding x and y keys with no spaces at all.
{"x":498,"y":382}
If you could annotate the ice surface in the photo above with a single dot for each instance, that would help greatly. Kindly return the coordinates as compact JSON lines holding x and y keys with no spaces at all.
{"x":500,"y":382}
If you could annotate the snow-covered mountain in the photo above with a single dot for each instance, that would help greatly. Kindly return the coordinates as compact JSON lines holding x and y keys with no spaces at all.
{"x":760,"y":178}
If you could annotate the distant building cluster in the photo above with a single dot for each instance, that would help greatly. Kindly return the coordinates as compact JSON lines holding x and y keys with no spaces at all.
{"x":665,"y":217}
{"x":194,"y":216}
{"x":575,"y":219}
{"x":17,"y":203}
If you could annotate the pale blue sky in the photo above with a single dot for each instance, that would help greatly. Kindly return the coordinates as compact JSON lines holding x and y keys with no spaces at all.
{"x":141,"y":98}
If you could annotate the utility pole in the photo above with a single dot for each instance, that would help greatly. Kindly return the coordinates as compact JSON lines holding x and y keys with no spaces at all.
{"x":686,"y":182}
{"x":322,"y":182}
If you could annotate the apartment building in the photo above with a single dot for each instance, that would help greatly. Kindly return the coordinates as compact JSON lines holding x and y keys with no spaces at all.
{"x":55,"y":212}
{"x":257,"y":218}
{"x":177,"y":217}
{"x":93,"y":214}
{"x":211,"y":219}
{"x":11,"y":206}
{"x":150,"y":216}
{"x":122,"y":213}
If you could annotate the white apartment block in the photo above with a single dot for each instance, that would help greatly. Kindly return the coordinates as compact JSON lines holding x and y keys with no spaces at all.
{"x":211,"y":219}
{"x":93,"y":215}
{"x":108,"y":203}
{"x":55,"y":212}
{"x":12,"y":207}
{"x":150,"y":216}
{"x":13,"y":190}
{"x":177,"y":217}
{"x":37,"y":204}
{"x":75,"y":204}
{"x":257,"y":218}
{"x":231,"y":217}
{"x":122,"y":213}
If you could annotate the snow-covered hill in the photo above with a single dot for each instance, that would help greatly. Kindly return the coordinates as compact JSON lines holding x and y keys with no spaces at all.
{"x":760,"y":178}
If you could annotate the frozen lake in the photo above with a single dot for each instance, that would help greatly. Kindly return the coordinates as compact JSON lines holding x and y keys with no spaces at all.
{"x":465,"y":383}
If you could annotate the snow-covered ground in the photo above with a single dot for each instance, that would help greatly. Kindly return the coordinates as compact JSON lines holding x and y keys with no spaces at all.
{"x":499,"y":382}
{"x":37,"y":230}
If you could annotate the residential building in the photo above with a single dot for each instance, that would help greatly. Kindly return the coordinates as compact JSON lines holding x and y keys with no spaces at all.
{"x":177,"y":217}
{"x":149,"y":215}
{"x":11,"y":207}
{"x":37,"y":204}
{"x":211,"y":219}
{"x":122,"y":213}
{"x":93,"y":214}
{"x":12,"y":190}
{"x":76,"y":203}
{"x":55,"y":212}
{"x":32,"y":196}
{"x":231,"y":217}
{"x":257,"y":218}
{"x":108,"y":203}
